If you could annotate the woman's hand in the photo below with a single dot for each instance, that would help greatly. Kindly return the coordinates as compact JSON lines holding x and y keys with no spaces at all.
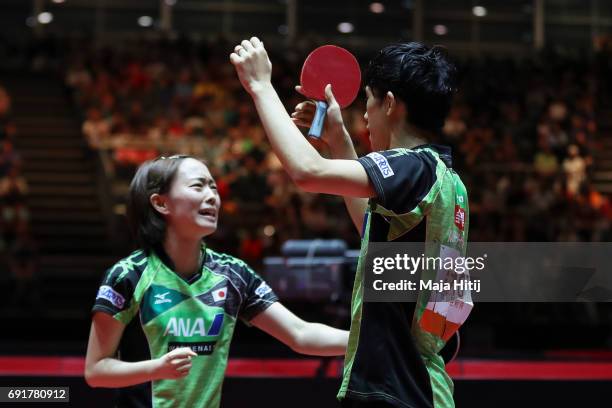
{"x":174,"y":364}
{"x":252,"y":65}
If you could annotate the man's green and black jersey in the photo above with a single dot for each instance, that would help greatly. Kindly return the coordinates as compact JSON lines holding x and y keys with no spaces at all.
{"x":162,"y":311}
{"x":419,"y":198}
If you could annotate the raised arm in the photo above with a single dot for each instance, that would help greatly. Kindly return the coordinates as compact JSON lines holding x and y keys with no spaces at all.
{"x":102,"y":369}
{"x":336,"y":136}
{"x":304,"y":164}
{"x":301,"y":336}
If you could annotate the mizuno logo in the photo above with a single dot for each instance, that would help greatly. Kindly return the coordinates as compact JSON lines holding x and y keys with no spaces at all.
{"x":161,"y":298}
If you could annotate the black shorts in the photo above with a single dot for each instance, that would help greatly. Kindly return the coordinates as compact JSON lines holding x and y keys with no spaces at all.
{"x":351,"y":403}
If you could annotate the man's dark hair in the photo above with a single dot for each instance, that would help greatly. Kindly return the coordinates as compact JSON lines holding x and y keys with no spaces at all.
{"x":148,"y":226}
{"x":422,"y":77}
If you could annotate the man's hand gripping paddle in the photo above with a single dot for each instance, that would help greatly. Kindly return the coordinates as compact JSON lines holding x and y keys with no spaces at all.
{"x":333,"y":65}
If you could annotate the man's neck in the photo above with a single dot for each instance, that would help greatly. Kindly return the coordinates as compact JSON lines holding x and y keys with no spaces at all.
{"x":408,"y":137}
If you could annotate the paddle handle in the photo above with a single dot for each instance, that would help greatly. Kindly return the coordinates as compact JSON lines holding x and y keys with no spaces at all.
{"x":317,"y":123}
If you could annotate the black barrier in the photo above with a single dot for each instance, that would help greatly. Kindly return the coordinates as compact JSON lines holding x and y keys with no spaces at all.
{"x":311,"y":270}
{"x":308,"y":393}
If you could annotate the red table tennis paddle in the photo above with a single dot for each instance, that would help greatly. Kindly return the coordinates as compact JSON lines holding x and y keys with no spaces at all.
{"x":333,"y":65}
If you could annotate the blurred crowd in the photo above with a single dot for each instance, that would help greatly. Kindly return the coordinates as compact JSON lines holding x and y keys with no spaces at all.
{"x":522,"y":134}
{"x":148,"y":99}
{"x":17,"y":249}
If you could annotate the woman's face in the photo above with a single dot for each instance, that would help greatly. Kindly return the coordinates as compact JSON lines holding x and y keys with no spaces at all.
{"x":193,"y":201}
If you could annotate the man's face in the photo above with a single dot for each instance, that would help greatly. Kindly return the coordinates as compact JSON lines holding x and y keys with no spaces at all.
{"x":377,"y":121}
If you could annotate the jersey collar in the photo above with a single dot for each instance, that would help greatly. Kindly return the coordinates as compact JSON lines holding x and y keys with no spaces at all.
{"x":161,"y":254}
{"x":445,"y":152}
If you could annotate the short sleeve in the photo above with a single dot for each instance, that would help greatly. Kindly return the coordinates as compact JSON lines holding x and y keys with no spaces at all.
{"x":115,"y":293}
{"x":401,"y":177}
{"x":258,"y":296}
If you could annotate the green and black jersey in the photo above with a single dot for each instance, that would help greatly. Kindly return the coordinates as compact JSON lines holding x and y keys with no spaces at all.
{"x":390,"y":357}
{"x":162,"y":311}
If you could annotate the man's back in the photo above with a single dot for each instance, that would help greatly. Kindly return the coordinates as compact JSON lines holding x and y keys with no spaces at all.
{"x":391,"y":356}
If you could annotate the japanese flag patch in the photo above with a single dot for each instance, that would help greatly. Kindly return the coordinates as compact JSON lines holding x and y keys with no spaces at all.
{"x":219,"y":294}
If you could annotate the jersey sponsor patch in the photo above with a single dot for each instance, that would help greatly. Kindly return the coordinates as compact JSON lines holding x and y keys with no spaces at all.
{"x":201,"y":348}
{"x":382,"y":164}
{"x":108,"y":293}
{"x":459,"y":217}
{"x":219,"y":294}
{"x":194,"y":327}
{"x":263,"y":289}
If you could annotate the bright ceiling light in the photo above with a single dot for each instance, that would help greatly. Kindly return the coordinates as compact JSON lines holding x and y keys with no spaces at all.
{"x":145,"y":21}
{"x":440,"y":29}
{"x":377,"y":7}
{"x":269,"y":230}
{"x":45,"y":17}
{"x":346,"y":27}
{"x":479,"y":11}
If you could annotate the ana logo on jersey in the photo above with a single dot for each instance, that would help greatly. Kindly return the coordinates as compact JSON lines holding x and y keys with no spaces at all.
{"x":190,"y":327}
{"x":108,"y":293}
{"x":263,"y":289}
{"x":382,"y":163}
{"x":161,"y":298}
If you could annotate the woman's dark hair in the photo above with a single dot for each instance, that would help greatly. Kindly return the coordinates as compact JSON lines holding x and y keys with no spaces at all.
{"x":422,"y":77}
{"x":148,"y":226}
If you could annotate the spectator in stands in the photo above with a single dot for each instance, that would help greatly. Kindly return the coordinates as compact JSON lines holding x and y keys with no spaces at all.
{"x":15,"y":214}
{"x":250,"y":187}
{"x":9,"y":158}
{"x":251,"y":247}
{"x":575,"y":170}
{"x":5,"y":104}
{"x":95,"y":128}
{"x":77,"y":76}
{"x":23,"y":261}
{"x":545,"y":162}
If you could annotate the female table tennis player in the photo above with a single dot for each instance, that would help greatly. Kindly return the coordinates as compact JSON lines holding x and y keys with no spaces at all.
{"x":405,"y":188}
{"x":171,"y":307}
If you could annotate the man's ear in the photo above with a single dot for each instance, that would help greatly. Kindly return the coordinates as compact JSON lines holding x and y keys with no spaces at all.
{"x":389,"y":103}
{"x":159,"y":203}
{"x":393,"y":107}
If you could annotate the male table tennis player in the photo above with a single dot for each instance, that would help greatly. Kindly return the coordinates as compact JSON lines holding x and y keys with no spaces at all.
{"x":405,"y":190}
